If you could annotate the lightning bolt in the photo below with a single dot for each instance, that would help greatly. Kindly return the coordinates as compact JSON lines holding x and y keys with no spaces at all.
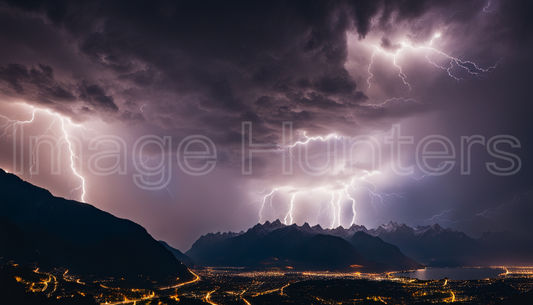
{"x":353,"y":206}
{"x":271,"y":194}
{"x":438,"y":215}
{"x":308,"y":139}
{"x":289,"y":214}
{"x":371,"y":191}
{"x":444,"y":68}
{"x":15,"y":123}
{"x":434,"y":217}
{"x":339,"y":210}
{"x":400,"y":74}
{"x":485,"y":9}
{"x":369,"y":66}
{"x":14,"y":126}
{"x":333,"y":206}
{"x":466,"y":65}
{"x":474,"y":69}
{"x":72,"y":156}
{"x":516,"y":199}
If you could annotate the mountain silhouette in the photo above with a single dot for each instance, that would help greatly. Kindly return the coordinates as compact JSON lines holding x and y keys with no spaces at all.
{"x":436,"y":246}
{"x":274,"y":244}
{"x":329,"y":252}
{"x":431,"y":245}
{"x":187,"y":261}
{"x":36,"y":227}
{"x":382,"y":252}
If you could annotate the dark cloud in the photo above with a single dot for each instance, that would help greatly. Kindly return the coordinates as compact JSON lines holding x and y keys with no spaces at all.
{"x":95,"y":96}
{"x":17,"y":76}
{"x":387,"y":45}
{"x":221,"y":55}
{"x":141,"y":78}
{"x":393,"y":109}
{"x":334,"y":84}
{"x":38,"y":85}
{"x":132,"y":118}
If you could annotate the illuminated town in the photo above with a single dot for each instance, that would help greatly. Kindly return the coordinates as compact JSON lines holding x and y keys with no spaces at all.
{"x":240,"y":286}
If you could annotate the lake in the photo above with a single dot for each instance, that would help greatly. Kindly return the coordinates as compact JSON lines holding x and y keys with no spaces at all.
{"x":452,"y":273}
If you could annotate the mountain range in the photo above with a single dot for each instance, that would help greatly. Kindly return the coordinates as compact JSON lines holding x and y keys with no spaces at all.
{"x":392,"y":246}
{"x":274,"y":245}
{"x":435,"y":246}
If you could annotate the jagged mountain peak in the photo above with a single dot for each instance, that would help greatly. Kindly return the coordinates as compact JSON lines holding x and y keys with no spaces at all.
{"x":436,"y":226}
{"x":317,"y":227}
{"x":392,"y":225}
{"x":356,"y":226}
{"x":277,"y":222}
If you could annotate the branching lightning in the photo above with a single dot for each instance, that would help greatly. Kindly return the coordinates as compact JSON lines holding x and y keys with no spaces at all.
{"x":308,"y":138}
{"x":371,"y":192}
{"x":271,"y":194}
{"x":15,"y":123}
{"x":516,"y":199}
{"x":467,"y":65}
{"x":400,"y":74}
{"x":438,"y":215}
{"x":336,"y":195}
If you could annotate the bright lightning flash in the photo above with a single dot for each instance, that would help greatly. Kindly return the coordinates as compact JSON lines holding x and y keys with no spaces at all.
{"x":289,"y":214}
{"x":271,"y":194}
{"x":15,"y":123}
{"x":337,"y":195}
{"x":466,"y":65}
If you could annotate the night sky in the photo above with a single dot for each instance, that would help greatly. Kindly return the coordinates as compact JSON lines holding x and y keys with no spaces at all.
{"x":345,"y":75}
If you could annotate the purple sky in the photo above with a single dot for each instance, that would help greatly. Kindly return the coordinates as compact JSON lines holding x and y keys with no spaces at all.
{"x":441,"y":73}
